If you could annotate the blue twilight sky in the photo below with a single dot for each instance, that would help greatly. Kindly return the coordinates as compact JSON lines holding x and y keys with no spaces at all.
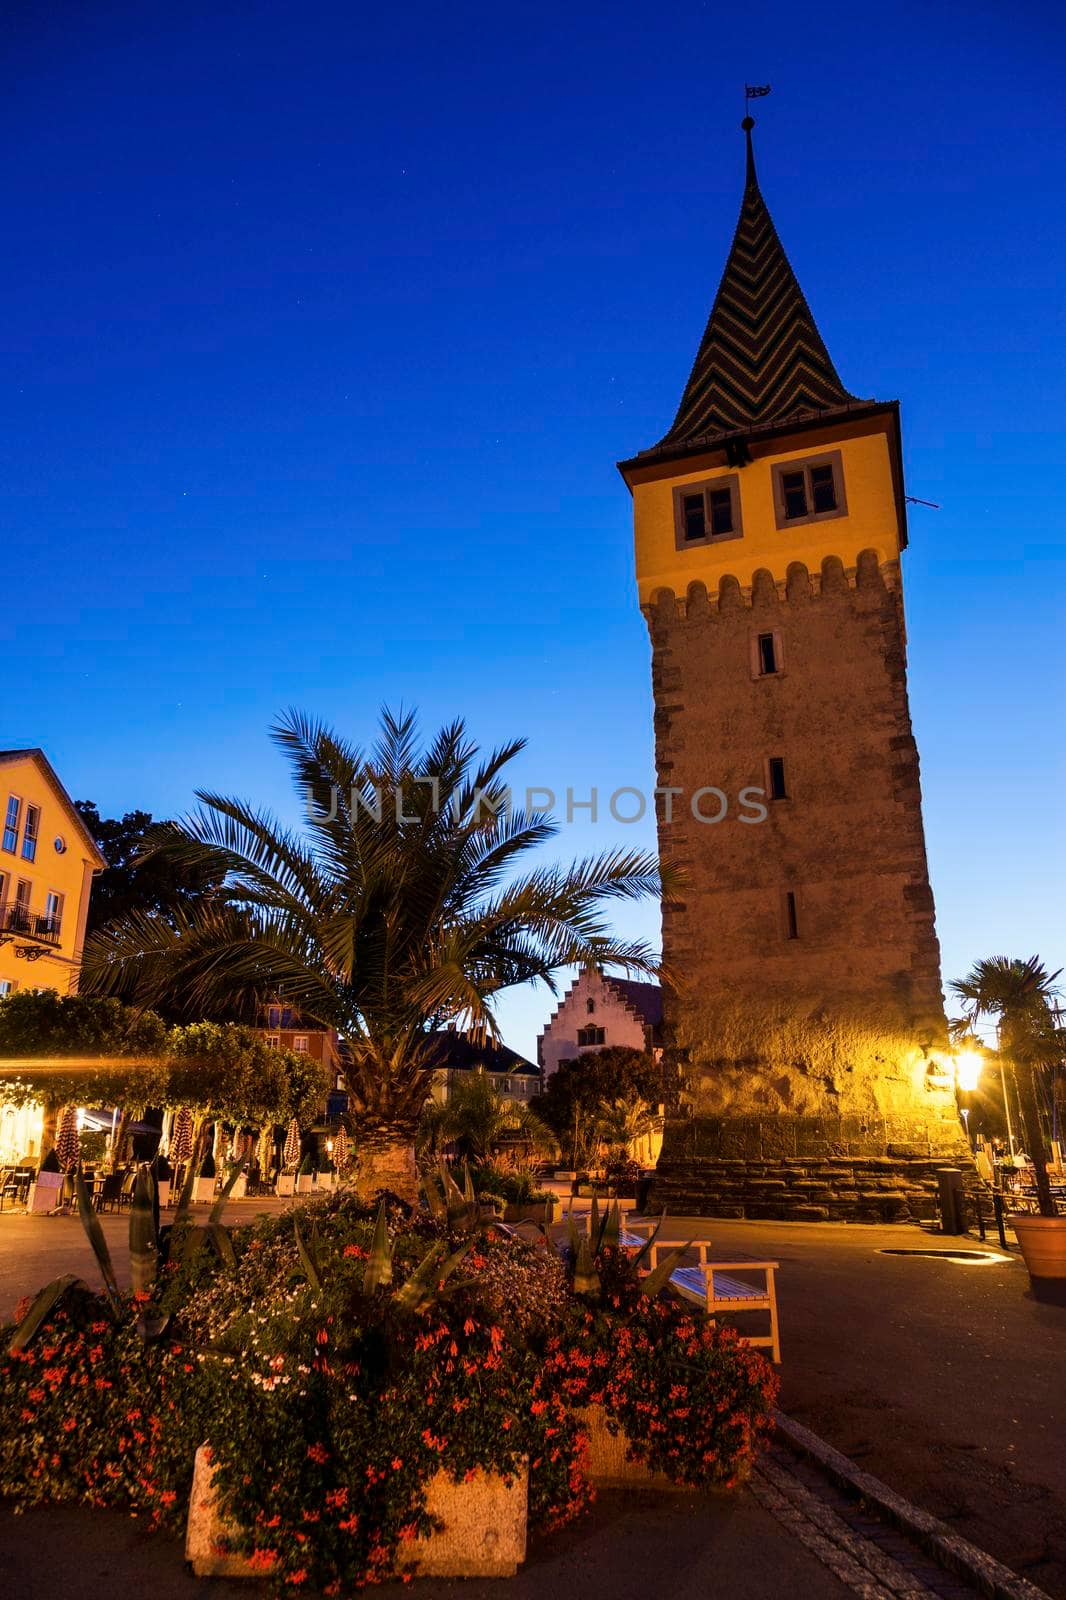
{"x":324,"y":325}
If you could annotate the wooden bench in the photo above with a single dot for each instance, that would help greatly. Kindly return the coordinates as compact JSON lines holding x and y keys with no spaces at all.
{"x":715,"y":1286}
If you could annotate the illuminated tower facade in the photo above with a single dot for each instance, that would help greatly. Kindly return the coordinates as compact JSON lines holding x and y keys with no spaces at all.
{"x":805,"y":1022}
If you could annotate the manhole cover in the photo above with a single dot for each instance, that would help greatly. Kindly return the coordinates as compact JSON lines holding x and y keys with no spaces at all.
{"x":967,"y":1257}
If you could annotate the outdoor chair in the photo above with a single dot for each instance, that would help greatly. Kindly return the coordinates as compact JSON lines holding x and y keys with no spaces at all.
{"x":109,"y":1193}
{"x":125,"y":1193}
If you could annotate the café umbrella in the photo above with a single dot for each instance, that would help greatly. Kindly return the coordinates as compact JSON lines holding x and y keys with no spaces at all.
{"x":292,"y":1144}
{"x":67,"y":1147}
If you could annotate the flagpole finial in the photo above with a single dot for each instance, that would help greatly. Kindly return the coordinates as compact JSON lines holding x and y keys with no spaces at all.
{"x":750,"y":177}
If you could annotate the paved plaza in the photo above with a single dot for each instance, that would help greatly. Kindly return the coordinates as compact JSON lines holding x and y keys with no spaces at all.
{"x":942,"y":1379}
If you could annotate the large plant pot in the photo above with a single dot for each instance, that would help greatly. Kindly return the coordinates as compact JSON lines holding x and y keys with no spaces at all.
{"x":484,"y":1532}
{"x":205,"y":1191}
{"x":286,"y":1185}
{"x":1043,"y":1244}
{"x":240,"y":1188}
{"x":607,"y":1463}
{"x":538,"y":1211}
{"x":163,"y":1191}
{"x":46,"y":1193}
{"x":305,"y":1183}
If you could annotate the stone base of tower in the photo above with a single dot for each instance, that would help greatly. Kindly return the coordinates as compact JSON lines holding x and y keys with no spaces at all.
{"x":804,"y":1169}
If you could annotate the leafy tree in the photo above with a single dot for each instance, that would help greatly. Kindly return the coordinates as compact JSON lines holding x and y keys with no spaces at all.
{"x":132,"y":881}
{"x":93,"y":1050}
{"x":598,"y":1097}
{"x":1022,"y":997}
{"x":393,"y":912}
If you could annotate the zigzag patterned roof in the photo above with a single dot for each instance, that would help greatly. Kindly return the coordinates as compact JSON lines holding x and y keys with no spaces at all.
{"x":762,"y":360}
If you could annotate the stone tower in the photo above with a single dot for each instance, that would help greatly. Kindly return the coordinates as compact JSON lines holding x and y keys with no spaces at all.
{"x":805,"y":1022}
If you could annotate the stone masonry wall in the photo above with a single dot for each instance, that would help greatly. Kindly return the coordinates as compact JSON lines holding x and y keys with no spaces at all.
{"x":835,"y":1026}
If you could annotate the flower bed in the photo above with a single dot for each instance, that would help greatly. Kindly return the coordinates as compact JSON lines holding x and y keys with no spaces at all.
{"x":333,"y":1382}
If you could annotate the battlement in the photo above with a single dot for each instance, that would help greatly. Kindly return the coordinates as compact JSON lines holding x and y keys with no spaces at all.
{"x":797,"y":587}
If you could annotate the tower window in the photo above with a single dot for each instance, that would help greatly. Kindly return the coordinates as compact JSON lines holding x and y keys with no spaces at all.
{"x":695,"y":518}
{"x":776,"y":766}
{"x":590,"y":1006}
{"x":806,"y":491}
{"x":766,"y":654}
{"x":791,"y":915}
{"x":706,"y":512}
{"x":590,"y":1036}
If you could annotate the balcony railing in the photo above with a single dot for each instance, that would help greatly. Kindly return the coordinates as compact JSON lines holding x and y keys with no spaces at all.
{"x":16,"y":922}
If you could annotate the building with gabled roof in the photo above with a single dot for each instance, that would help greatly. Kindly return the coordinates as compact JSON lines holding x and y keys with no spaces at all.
{"x":47,"y":862}
{"x":598,"y":1012}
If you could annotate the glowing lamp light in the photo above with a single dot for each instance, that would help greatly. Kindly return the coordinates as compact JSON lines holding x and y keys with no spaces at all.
{"x":968,"y":1065}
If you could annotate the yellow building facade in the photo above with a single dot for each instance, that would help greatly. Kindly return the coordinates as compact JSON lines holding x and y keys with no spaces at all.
{"x":47,"y":863}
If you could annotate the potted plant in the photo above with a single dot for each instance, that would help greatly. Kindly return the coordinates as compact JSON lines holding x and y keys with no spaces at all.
{"x":45,"y":1192}
{"x":205,"y":1182}
{"x":305,"y":1176}
{"x":1022,"y":996}
{"x":164,"y":1177}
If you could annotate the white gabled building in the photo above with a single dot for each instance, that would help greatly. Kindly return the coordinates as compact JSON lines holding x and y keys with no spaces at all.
{"x":597,"y":1012}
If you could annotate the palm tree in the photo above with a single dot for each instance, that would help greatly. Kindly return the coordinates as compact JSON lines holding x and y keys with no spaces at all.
{"x":1023,"y":997}
{"x":479,"y":1120}
{"x":395,"y":911}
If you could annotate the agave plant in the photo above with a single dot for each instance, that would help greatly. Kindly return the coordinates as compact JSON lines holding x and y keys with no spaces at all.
{"x":423,"y":1287}
{"x":606,"y":1232}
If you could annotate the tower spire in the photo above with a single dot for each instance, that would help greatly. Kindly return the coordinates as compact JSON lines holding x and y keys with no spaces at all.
{"x":761,"y":360}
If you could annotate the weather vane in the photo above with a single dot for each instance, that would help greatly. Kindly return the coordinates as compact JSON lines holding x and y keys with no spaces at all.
{"x":753,"y":91}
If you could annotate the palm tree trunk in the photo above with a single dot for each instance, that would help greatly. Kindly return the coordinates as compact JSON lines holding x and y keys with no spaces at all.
{"x":1034,"y":1136}
{"x":49,"y":1118}
{"x":385,"y":1159}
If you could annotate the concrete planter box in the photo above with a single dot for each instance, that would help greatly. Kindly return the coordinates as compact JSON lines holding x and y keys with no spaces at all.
{"x":305,"y":1182}
{"x":484,"y":1532}
{"x":205,"y":1191}
{"x":163,"y":1191}
{"x":606,"y":1462}
{"x":46,"y":1193}
{"x":240,"y":1188}
{"x":538,"y":1211}
{"x":286,"y":1185}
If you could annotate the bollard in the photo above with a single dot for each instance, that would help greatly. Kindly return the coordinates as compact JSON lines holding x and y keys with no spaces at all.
{"x":952,"y":1212}
{"x":997,"y":1208}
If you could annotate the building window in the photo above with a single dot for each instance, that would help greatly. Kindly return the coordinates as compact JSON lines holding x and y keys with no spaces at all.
{"x":590,"y":1006}
{"x":286,"y":1016}
{"x":22,"y":903}
{"x":590,"y":1036}
{"x":3,"y":888}
{"x":776,"y":775}
{"x":707,"y":512}
{"x":299,"y":1043}
{"x":30,"y":832}
{"x":11,"y":823}
{"x":274,"y":1041}
{"x":53,"y":911}
{"x":791,"y":915}
{"x":274,"y":1016}
{"x":7,"y":986}
{"x":809,"y":491}
{"x":767,"y":655}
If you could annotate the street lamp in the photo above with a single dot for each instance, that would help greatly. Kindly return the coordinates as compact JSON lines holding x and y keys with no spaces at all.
{"x":968,"y":1066}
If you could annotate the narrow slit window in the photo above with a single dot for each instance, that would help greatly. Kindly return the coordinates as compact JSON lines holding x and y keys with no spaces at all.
{"x":767,"y":654}
{"x":778,"y":791}
{"x":694,"y":518}
{"x":791,"y":916}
